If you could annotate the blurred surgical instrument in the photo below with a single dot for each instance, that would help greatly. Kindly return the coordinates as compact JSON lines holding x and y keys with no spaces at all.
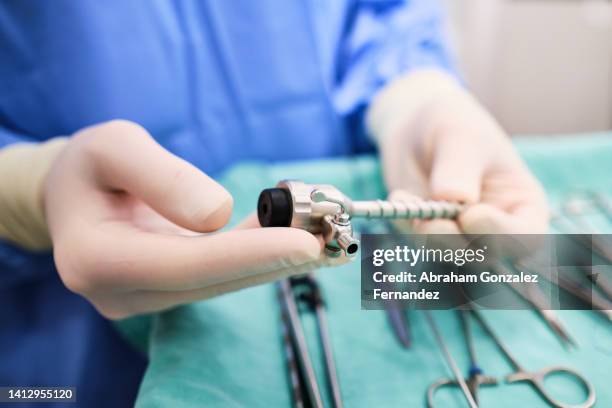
{"x":573,"y":208}
{"x":396,"y":315}
{"x":475,"y":378}
{"x":537,"y":378}
{"x":534,"y":296}
{"x":602,"y":203}
{"x":598,"y":280}
{"x":305,"y":388}
{"x":596,"y":243}
{"x":399,"y":324}
{"x":584,"y":294}
{"x":588,"y":241}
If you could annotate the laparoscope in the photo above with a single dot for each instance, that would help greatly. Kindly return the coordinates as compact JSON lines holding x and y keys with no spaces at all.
{"x":323,"y":209}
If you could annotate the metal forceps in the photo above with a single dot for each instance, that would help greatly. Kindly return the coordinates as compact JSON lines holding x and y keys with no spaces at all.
{"x":475,"y":378}
{"x":536,"y":378}
{"x":304,"y":384}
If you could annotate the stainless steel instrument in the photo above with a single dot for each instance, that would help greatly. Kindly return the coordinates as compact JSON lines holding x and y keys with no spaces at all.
{"x":323,"y":209}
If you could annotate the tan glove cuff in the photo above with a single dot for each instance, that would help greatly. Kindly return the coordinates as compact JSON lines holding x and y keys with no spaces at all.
{"x":23,"y":170}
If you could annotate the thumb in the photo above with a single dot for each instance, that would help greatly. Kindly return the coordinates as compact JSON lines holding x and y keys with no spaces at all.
{"x":125,"y":157}
{"x":457,"y":170}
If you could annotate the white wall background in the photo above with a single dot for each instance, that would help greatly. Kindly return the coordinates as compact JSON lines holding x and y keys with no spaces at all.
{"x":541,"y":66}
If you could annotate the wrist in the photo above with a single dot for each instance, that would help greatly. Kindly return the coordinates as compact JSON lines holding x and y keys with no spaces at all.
{"x":23,"y":170}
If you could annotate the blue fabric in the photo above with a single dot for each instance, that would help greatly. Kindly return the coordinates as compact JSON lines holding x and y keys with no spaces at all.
{"x":216,"y":82}
{"x":52,"y":337}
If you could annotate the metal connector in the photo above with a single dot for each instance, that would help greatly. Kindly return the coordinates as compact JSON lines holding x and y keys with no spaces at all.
{"x":323,"y":209}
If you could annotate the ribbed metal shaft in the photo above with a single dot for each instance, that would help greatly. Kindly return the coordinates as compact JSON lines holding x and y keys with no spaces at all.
{"x":425,"y":210}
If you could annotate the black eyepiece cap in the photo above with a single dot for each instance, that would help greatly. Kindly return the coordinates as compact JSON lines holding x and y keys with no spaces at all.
{"x":275,"y":208}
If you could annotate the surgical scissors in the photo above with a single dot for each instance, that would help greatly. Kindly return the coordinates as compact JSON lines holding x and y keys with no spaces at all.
{"x":536,"y":378}
{"x":475,"y":379}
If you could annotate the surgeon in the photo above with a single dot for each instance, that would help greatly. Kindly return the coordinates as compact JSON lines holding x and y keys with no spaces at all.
{"x":116,"y":116}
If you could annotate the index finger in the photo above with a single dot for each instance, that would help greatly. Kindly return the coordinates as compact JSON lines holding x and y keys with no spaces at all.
{"x":142,"y":260}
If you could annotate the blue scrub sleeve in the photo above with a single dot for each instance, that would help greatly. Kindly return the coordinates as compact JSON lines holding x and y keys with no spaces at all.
{"x":19,"y":266}
{"x":385,"y":39}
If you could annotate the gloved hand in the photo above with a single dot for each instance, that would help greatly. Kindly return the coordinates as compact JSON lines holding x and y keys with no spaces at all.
{"x":131,"y":227}
{"x":437,"y":142}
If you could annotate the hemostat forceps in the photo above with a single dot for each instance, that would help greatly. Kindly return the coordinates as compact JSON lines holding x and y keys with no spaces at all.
{"x":536,"y":378}
{"x":322,"y":208}
{"x":304,"y":386}
{"x":450,"y":361}
{"x":475,"y":378}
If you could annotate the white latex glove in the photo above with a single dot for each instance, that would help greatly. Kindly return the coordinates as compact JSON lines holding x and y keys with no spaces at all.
{"x":126,"y":217}
{"x":437,"y":142}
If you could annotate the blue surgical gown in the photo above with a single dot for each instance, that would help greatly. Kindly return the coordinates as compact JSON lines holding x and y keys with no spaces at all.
{"x":215,"y":82}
